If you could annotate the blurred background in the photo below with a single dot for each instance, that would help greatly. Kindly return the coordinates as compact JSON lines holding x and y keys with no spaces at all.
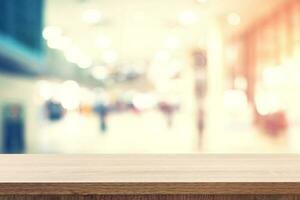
{"x":149,"y":76}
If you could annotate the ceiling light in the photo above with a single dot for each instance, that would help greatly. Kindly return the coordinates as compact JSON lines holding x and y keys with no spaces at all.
{"x":84,"y":62}
{"x":99,"y":72}
{"x":60,"y":43}
{"x":72,"y":54}
{"x":92,"y":16}
{"x":45,"y":89}
{"x":234,"y":19}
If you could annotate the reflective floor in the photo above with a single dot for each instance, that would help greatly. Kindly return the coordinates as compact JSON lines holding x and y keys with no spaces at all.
{"x":132,"y":133}
{"x":127,"y":133}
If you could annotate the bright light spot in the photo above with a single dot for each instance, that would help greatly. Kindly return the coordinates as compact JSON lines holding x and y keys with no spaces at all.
{"x":99,"y":72}
{"x":103,"y":42}
{"x":55,"y":38}
{"x":144,"y":101}
{"x":75,"y":56}
{"x":234,"y":19}
{"x":60,"y":43}
{"x":84,"y":62}
{"x":45,"y":90}
{"x":110,"y":56}
{"x":70,"y":95}
{"x":187,"y":18}
{"x":51,"y":32}
{"x":171,"y":43}
{"x":92,"y":16}
{"x":72,"y":54}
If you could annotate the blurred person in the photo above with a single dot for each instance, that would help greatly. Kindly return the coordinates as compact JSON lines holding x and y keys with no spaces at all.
{"x":168,"y":110}
{"x":102,"y":109}
{"x":54,"y":110}
{"x":199,"y":57}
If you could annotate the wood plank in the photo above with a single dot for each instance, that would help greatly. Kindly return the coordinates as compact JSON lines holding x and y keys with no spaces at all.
{"x":149,"y":174}
{"x":149,"y":168}
{"x":148,"y":188}
{"x":153,"y":197}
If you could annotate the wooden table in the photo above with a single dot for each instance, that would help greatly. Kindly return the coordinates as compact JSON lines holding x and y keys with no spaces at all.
{"x":150,"y":177}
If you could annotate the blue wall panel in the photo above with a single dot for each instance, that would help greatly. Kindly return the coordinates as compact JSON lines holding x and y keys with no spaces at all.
{"x":21,"y":25}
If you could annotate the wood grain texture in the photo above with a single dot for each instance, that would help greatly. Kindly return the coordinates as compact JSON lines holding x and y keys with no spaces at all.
{"x":153,"y":197}
{"x":149,"y":188}
{"x":150,"y":175}
{"x":149,"y":168}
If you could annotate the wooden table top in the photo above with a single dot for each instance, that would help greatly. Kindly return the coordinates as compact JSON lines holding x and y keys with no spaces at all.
{"x":150,"y":174}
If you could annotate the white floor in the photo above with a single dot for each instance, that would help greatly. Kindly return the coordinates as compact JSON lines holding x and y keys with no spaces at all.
{"x":127,"y":133}
{"x":148,"y":133}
